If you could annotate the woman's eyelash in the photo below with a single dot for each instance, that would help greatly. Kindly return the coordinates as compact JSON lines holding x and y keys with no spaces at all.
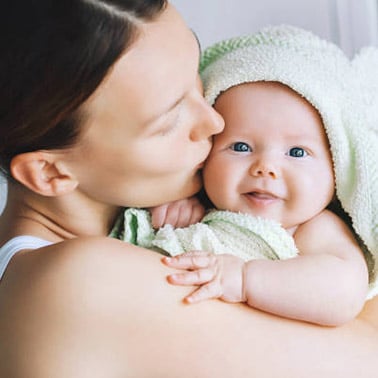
{"x":167,"y":130}
{"x":171,"y":123}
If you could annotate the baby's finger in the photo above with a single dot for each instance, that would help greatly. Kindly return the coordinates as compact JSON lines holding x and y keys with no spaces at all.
{"x":173,"y":215}
{"x":197,"y":214}
{"x":158,"y":215}
{"x":183,"y":218}
{"x":197,"y":277}
{"x":189,"y":261}
{"x":209,"y":291}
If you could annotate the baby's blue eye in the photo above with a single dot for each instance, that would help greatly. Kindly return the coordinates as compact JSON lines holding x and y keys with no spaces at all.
{"x":297,"y":152}
{"x":240,"y":147}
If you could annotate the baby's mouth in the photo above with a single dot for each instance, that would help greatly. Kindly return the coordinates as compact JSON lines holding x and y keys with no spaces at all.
{"x":262,"y":195}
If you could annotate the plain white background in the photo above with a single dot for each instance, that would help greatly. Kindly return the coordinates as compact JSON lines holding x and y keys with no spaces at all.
{"x":349,"y":23}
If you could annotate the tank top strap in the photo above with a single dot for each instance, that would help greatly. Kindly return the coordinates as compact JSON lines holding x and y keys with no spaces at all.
{"x":16,"y":244}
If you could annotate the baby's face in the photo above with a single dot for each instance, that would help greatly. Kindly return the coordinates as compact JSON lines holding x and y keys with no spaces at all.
{"x":272,"y":159}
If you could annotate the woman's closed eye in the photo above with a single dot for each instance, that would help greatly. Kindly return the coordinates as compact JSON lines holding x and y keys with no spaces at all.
{"x":240,"y":147}
{"x":171,"y":123}
{"x":297,"y":152}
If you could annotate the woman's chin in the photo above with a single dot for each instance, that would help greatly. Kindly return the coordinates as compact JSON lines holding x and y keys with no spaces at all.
{"x":196,"y":185}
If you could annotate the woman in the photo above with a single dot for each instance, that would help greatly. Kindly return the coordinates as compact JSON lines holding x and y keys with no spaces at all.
{"x":102,"y":108}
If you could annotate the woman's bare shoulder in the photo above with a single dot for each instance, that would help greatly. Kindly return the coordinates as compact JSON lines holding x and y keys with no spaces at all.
{"x":89,"y":264}
{"x":64,"y":261}
{"x":99,"y":308}
{"x":81,"y":300}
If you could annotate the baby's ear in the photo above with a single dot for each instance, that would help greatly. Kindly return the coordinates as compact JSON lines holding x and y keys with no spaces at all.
{"x":43,"y":173}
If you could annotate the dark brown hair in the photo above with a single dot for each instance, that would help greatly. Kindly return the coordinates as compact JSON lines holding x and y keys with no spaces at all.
{"x":54,"y":54}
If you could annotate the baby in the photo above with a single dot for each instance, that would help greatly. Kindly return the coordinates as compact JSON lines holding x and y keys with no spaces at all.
{"x":280,"y":93}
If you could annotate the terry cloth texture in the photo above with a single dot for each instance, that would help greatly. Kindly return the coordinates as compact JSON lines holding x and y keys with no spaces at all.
{"x":239,"y":234}
{"x":344,"y":91}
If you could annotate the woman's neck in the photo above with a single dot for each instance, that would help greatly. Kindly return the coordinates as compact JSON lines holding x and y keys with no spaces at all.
{"x":54,"y":218}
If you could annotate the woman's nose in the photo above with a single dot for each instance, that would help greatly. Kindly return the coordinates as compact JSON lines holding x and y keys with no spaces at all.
{"x":264,"y":169}
{"x":209,"y":122}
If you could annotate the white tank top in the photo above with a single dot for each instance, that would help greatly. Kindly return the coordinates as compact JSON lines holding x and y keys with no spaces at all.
{"x":11,"y":247}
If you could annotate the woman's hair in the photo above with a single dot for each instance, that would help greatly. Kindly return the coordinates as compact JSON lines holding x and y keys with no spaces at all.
{"x":54,"y":54}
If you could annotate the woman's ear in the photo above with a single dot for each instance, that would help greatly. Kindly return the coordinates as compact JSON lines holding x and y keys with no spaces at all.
{"x":43,"y":173}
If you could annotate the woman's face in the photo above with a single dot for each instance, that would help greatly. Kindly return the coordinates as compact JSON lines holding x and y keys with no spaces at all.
{"x":149,"y":127}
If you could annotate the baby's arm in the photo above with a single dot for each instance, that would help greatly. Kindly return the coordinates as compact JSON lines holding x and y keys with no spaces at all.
{"x":181,"y":213}
{"x":326,"y":284}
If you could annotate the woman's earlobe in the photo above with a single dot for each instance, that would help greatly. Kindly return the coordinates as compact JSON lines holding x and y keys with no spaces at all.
{"x":41,"y":173}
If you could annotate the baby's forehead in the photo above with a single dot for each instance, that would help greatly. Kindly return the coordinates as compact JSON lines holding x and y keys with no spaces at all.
{"x":269,"y":107}
{"x":274,"y":86}
{"x":269,"y":97}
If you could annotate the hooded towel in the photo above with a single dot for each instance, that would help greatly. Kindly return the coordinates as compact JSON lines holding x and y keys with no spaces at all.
{"x":345,"y":93}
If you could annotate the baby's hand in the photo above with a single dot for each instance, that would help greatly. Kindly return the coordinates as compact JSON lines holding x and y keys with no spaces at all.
{"x":181,"y":213}
{"x":218,"y":276}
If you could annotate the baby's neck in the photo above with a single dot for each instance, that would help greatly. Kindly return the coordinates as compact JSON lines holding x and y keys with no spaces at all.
{"x":292,"y":230}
